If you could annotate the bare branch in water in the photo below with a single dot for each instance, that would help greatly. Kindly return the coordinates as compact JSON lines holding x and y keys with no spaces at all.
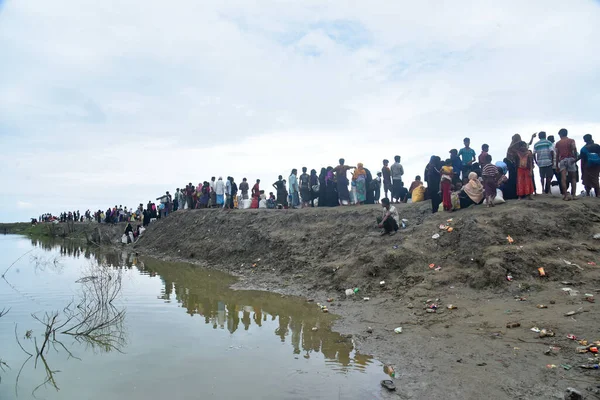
{"x":93,"y":321}
{"x":4,"y":312}
{"x":19,"y":343}
{"x":14,"y":262}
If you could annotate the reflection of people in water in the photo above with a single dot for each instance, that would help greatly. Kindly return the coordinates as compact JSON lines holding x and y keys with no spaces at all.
{"x":246,"y":319}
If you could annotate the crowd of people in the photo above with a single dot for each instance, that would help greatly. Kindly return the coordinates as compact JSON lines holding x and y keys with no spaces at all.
{"x":457,"y":182}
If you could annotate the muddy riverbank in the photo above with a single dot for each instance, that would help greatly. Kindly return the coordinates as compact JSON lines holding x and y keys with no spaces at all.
{"x":319,"y":253}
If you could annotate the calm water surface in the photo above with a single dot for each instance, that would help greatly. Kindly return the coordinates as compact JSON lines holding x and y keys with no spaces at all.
{"x":171,"y":331}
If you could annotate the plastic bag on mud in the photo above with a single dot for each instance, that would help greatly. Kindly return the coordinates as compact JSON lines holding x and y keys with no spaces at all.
{"x":499,"y":198}
{"x":124,"y":239}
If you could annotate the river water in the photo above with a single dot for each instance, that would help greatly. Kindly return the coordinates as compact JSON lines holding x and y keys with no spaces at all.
{"x":127,"y":328}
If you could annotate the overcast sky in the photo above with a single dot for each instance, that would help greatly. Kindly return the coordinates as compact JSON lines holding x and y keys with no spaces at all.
{"x":114,"y":102}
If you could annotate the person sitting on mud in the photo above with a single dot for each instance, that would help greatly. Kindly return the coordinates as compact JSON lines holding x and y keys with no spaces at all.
{"x":390,"y":220}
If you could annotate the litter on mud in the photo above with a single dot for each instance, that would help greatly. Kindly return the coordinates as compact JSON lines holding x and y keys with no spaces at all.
{"x":569,"y":263}
{"x":388,"y":369}
{"x":389,"y":385}
{"x":510,"y":240}
{"x":541,"y":271}
{"x":398,"y":329}
{"x":436,"y":236}
{"x":546,"y":333}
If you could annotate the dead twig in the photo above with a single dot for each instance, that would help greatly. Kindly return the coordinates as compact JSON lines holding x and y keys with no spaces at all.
{"x":14,"y":262}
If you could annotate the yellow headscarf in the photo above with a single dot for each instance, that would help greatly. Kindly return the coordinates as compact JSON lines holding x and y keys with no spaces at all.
{"x":359,"y":171}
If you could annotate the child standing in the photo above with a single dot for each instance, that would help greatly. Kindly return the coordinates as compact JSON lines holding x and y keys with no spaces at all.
{"x":490,"y":180}
{"x":446,"y":185}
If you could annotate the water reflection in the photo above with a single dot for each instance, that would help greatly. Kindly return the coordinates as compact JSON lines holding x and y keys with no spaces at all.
{"x":206,"y":294}
{"x":91,"y":319}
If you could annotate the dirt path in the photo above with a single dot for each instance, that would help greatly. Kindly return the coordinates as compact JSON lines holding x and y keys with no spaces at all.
{"x":459,"y":353}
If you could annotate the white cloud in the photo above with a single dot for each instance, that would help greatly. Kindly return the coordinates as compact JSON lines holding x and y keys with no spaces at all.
{"x":23,"y":205}
{"x":107,"y":102}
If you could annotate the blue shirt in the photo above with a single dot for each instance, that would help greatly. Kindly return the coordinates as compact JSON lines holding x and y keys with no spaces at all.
{"x":456,"y":164}
{"x":467,"y":155}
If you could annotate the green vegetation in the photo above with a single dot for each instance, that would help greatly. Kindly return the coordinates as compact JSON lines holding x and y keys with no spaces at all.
{"x":39,"y":230}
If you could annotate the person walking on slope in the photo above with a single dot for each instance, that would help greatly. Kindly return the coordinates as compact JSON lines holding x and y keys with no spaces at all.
{"x":566,"y":158}
{"x":590,"y":165}
{"x":397,"y":171}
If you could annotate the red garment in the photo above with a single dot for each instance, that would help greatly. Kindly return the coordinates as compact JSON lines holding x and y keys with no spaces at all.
{"x":524,"y":182}
{"x":447,"y":195}
{"x":564,"y":149}
{"x":254,"y":203}
{"x":255,"y":190}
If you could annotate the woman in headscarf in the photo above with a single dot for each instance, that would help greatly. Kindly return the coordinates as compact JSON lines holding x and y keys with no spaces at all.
{"x":198,"y":195}
{"x":472,"y":192}
{"x":314,"y":186}
{"x":513,"y":149}
{"x":281,"y":192}
{"x":323,"y":188}
{"x":204,"y":195}
{"x":524,"y":171}
{"x":359,"y":177}
{"x":370,"y":188}
{"x":511,"y":160}
{"x":331,"y":188}
{"x":255,"y":194}
{"x":433,"y":177}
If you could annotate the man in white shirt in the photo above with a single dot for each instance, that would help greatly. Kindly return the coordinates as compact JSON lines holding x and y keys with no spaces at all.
{"x":397,"y":172}
{"x":293,"y":181}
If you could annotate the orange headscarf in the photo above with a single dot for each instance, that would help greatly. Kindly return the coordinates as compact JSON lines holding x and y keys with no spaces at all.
{"x":359,"y":171}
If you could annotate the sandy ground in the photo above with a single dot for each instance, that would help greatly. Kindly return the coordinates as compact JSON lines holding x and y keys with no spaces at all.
{"x":464,"y":353}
